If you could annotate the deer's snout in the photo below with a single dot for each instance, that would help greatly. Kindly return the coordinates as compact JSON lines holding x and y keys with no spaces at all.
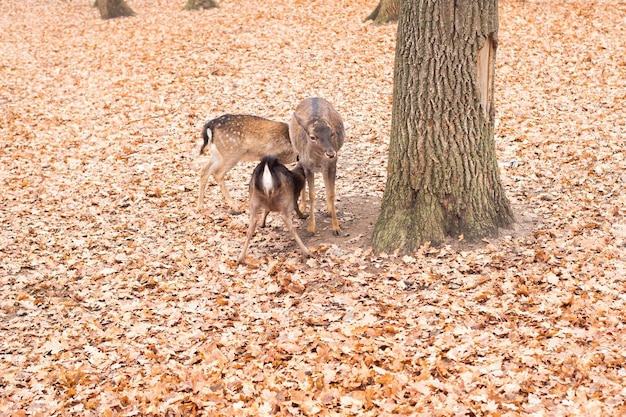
{"x":330,"y":154}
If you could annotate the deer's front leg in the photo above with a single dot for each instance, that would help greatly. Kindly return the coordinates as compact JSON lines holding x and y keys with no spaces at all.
{"x":310,"y":179}
{"x":302,"y":203}
{"x":329,"y":174}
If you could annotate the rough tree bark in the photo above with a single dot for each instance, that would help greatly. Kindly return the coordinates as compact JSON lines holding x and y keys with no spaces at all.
{"x":386,"y":11}
{"x":443,"y":178}
{"x":200,"y":4}
{"x":110,"y":9}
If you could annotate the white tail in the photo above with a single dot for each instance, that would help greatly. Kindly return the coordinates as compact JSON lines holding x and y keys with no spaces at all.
{"x":273,"y":187}
{"x":316,"y":132}
{"x":233,"y":138}
{"x":267,"y":181}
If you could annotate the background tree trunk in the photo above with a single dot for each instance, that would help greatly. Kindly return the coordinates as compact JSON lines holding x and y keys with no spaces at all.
{"x":110,"y":9}
{"x":200,"y":4}
{"x":443,"y":179}
{"x":386,"y":11}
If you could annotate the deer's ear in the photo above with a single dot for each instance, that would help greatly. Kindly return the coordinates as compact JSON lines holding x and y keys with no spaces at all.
{"x":302,"y":122}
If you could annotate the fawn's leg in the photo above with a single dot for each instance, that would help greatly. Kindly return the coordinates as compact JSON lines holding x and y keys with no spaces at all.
{"x":265,"y":213}
{"x":287,"y":219}
{"x":251,"y":227}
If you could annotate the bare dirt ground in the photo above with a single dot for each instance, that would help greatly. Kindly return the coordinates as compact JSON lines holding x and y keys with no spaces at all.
{"x":118,"y":298}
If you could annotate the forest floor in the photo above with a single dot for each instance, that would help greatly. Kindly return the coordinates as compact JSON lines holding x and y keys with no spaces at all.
{"x":117,"y":297}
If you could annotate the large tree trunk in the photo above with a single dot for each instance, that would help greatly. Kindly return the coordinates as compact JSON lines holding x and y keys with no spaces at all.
{"x":110,"y":9}
{"x":443,"y":179}
{"x":386,"y":11}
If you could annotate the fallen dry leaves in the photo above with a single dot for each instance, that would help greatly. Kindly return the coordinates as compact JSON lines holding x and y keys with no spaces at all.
{"x":117,"y":298}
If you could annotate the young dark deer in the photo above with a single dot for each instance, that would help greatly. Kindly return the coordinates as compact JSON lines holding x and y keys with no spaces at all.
{"x":236,"y":137}
{"x":273,"y":187}
{"x":316,"y":132}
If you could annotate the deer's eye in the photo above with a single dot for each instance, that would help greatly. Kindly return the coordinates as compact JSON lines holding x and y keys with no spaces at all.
{"x":313,"y":138}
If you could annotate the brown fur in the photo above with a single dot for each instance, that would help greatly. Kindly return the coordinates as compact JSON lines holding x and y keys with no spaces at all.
{"x":317,"y":133}
{"x":279,"y":193}
{"x":233,"y":138}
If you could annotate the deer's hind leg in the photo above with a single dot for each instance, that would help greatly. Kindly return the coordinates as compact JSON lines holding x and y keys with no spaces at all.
{"x":220,"y":174}
{"x":206,"y":172}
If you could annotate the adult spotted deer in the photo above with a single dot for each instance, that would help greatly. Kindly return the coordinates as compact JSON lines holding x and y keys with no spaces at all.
{"x":316,"y":132}
{"x":273,"y":187}
{"x":236,"y":137}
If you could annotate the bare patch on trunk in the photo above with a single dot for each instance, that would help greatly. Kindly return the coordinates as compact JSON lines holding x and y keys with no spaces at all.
{"x":485,"y":73}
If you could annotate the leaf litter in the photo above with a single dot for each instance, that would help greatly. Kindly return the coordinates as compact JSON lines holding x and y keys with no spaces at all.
{"x":118,"y":298}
